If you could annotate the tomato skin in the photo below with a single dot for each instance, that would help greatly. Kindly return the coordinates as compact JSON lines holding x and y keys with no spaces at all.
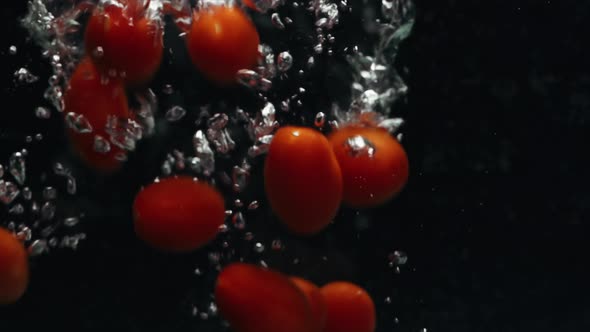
{"x":221,"y":41}
{"x":370,"y":181}
{"x":132,"y":44}
{"x":14,"y":268}
{"x":178,"y":214}
{"x":348,"y":308}
{"x":254,"y":299}
{"x":88,"y":96}
{"x":315,"y":299}
{"x":302,"y":179}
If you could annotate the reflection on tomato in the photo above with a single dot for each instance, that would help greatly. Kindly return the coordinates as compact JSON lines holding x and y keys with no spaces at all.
{"x":254,"y":299}
{"x":14,"y":268}
{"x":95,"y":100}
{"x":349,"y":308}
{"x":122,"y":41}
{"x":315,"y":300}
{"x":373,"y":176}
{"x":302,"y":179}
{"x":178,"y":214}
{"x":221,"y":41}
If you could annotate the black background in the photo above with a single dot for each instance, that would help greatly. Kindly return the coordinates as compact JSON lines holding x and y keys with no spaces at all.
{"x":493,"y":218}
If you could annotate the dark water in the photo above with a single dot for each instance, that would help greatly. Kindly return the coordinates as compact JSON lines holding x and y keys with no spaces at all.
{"x":494,"y":218}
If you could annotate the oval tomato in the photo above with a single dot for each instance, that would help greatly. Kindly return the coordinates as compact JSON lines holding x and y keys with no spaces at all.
{"x":221,"y":41}
{"x":348,"y":308}
{"x":123,"y":42}
{"x":374,"y":165}
{"x":254,"y":299}
{"x":315,"y":300}
{"x":302,"y":179}
{"x":94,"y":100}
{"x":178,"y":214}
{"x":14,"y":268}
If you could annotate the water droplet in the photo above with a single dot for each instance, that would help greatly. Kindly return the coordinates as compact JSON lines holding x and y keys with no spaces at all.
{"x":320,"y":120}
{"x":71,"y":221}
{"x":78,"y":123}
{"x":276,"y":21}
{"x":175,"y":113}
{"x":27,"y":193}
{"x":48,"y":211}
{"x":17,"y":209}
{"x":253,"y":205}
{"x":42,"y":112}
{"x":71,"y":186}
{"x":239,"y":221}
{"x":239,"y":178}
{"x":284,"y":61}
{"x":258,"y":247}
{"x":8,"y":192}
{"x":358,"y":145}
{"x":23,"y":75}
{"x":49,"y":193}
{"x":17,"y":167}
{"x":101,"y":145}
{"x":398,"y":258}
{"x":38,"y":247}
{"x":277,"y":245}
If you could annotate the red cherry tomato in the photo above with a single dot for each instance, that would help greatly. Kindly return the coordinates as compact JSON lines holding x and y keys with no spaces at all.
{"x":178,"y":214}
{"x":95,"y":100}
{"x":302,"y":179}
{"x":349,"y":308}
{"x":14,"y":268}
{"x":370,"y":178}
{"x":254,"y":299}
{"x":221,"y":41}
{"x":121,"y":40}
{"x":315,"y":300}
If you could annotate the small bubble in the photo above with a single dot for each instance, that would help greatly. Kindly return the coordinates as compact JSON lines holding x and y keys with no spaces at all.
{"x":253,"y":205}
{"x":248,"y":236}
{"x":320,"y":120}
{"x":12,"y":50}
{"x":39,"y":137}
{"x":284,"y":61}
{"x":71,"y":221}
{"x":198,"y":272}
{"x":38,"y":247}
{"x":277,"y":245}
{"x":49,"y":193}
{"x":175,"y":113}
{"x":168,"y":89}
{"x":42,"y":112}
{"x":258,"y":247}
{"x":101,"y":145}
{"x":47,"y":211}
{"x":276,"y":21}
{"x":238,"y":203}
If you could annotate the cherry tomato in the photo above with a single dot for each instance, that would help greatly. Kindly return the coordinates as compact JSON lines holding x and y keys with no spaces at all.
{"x":122,"y":41}
{"x":254,"y":299}
{"x":14,"y":268}
{"x":94,"y":100}
{"x":349,"y":308}
{"x":315,"y":300}
{"x":302,"y":179}
{"x":178,"y":214}
{"x":221,"y":41}
{"x":374,"y":174}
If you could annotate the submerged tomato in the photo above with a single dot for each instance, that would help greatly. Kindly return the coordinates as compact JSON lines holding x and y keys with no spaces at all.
{"x":92,"y":100}
{"x":315,"y":300}
{"x":178,"y":214}
{"x":221,"y":41}
{"x":302,"y":179}
{"x":14,"y":268}
{"x":254,"y":299}
{"x":122,"y":41}
{"x":374,"y":174}
{"x":349,"y":308}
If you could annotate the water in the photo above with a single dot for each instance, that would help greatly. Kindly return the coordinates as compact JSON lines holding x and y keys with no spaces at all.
{"x":229,"y":130}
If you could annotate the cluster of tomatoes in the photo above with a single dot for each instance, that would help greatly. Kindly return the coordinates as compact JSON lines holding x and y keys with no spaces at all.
{"x":123,"y":50}
{"x":307,"y":175}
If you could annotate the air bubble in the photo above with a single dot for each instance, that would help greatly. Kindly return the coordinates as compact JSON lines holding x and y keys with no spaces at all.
{"x":175,"y":113}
